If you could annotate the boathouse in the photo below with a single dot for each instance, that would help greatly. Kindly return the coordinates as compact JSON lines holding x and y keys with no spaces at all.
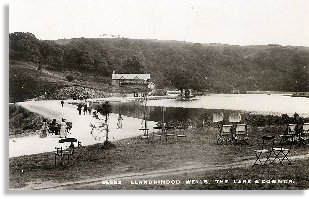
{"x":122,"y":79}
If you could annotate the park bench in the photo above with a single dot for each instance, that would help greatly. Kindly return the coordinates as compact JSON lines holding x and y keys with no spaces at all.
{"x":68,"y":152}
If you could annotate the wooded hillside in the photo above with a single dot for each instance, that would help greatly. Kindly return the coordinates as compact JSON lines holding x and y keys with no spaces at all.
{"x":212,"y":67}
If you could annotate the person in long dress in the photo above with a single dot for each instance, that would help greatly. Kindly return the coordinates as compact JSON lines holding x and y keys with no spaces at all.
{"x":44,"y":129}
{"x":63,"y":129}
{"x":119,"y":123}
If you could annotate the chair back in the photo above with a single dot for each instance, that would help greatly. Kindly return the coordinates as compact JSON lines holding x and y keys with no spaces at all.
{"x":226,"y":129}
{"x":291,"y":128}
{"x":306,"y":127}
{"x":241,"y":128}
{"x":59,"y":151}
{"x":217,"y":117}
{"x":268,"y":144}
{"x":234,"y":118}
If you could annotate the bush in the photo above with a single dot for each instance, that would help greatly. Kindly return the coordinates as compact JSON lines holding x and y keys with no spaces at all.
{"x":69,"y":78}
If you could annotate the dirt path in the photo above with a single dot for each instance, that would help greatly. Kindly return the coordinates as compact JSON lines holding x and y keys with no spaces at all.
{"x":81,"y":128}
{"x":146,"y":175}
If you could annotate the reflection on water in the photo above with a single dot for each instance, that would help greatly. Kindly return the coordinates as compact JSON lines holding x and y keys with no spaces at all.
{"x":155,"y":113}
{"x":205,"y":106}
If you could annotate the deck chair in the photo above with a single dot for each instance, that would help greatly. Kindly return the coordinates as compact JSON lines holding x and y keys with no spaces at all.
{"x":304,"y":136}
{"x":241,"y":134}
{"x":234,"y":118}
{"x":225,"y":134}
{"x":289,"y":135}
{"x":217,"y":118}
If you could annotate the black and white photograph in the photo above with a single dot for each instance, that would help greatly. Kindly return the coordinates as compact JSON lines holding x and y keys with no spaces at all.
{"x":158,"y":95}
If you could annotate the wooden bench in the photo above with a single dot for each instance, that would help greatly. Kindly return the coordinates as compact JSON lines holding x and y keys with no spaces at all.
{"x":69,"y":152}
{"x":62,"y":153}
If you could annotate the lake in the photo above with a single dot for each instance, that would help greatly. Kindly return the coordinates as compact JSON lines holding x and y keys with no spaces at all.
{"x":274,"y":104}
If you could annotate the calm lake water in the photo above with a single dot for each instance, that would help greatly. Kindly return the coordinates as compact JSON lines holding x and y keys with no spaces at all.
{"x":274,"y":104}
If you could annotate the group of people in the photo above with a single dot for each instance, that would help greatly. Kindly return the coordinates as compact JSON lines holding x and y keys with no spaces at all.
{"x":62,"y":128}
{"x":85,"y":107}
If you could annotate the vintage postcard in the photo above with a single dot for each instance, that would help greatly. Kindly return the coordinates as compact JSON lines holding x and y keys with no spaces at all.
{"x":158,"y":95}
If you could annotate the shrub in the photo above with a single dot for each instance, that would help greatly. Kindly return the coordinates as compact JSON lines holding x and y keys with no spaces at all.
{"x":69,"y":78}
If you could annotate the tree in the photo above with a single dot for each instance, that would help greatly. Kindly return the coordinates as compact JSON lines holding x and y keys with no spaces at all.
{"x":105,"y":109}
{"x":300,"y":75}
{"x":24,"y":47}
{"x":184,"y":79}
{"x":133,"y":65}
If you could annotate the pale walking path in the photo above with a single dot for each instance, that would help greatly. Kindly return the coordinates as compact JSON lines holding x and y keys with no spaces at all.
{"x":81,"y":128}
{"x":49,"y":185}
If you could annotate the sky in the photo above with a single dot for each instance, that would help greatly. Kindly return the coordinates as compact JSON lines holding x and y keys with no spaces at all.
{"x":238,"y":22}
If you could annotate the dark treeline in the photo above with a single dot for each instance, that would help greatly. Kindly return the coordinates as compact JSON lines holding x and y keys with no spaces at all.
{"x":213,"y":67}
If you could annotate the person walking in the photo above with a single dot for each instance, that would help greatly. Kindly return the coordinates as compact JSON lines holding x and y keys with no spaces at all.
{"x":89,"y":108}
{"x":63,"y":129}
{"x":85,"y":108}
{"x":44,"y":128}
{"x":119,"y":123}
{"x":62,"y":102}
{"x":79,"y":108}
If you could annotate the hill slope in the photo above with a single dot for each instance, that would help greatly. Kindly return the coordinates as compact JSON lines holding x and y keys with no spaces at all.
{"x":213,"y":67}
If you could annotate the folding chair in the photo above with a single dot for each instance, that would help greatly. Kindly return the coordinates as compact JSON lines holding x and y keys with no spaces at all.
{"x":225,"y":134}
{"x":259,"y":153}
{"x":265,"y":152}
{"x":281,"y":154}
{"x":304,"y":136}
{"x":241,"y":134}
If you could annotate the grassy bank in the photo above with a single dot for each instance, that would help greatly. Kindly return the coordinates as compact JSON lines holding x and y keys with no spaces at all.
{"x":23,"y":122}
{"x":133,"y":156}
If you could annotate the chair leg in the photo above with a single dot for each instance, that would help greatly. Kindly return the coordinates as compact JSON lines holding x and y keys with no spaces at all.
{"x":285,"y":156}
{"x":257,"y":159}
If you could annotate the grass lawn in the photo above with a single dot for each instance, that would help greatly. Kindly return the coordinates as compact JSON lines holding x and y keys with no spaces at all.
{"x":134,"y":155}
{"x":261,"y":178}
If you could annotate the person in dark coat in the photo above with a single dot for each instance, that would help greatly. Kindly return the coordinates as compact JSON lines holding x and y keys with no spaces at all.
{"x":85,"y":108}
{"x":79,"y":108}
{"x":62,"y":102}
